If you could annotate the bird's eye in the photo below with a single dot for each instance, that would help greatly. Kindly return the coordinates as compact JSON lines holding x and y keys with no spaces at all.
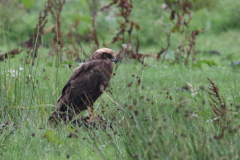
{"x":110,"y":56}
{"x":107,"y":55}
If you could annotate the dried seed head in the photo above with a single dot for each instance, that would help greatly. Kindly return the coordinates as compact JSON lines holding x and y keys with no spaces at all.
{"x":134,"y":101}
{"x":70,"y":135}
{"x":130,"y":107}
{"x":139,"y":81}
{"x":177,"y":109}
{"x":185,"y":88}
{"x":130,"y":84}
{"x":76,"y":136}
{"x":136,"y":112}
{"x":67,"y":156}
{"x":237,"y":106}
{"x":183,"y":135}
{"x":113,"y":118}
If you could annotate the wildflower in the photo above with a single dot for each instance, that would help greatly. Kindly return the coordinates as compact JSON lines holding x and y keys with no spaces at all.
{"x":13,"y":72}
{"x":102,"y":146}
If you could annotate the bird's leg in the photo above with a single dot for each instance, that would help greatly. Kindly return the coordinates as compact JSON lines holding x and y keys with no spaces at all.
{"x":91,"y":113}
{"x":94,"y":115}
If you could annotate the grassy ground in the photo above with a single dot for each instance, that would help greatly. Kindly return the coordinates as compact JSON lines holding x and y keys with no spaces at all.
{"x":152,"y":124}
{"x":160,"y":116}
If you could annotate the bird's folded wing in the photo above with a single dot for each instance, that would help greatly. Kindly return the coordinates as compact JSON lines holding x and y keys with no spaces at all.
{"x":83,"y":80}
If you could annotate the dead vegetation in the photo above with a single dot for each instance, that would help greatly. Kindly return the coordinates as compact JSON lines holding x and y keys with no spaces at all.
{"x":180,"y":15}
{"x":10,"y":54}
{"x":217,"y":102}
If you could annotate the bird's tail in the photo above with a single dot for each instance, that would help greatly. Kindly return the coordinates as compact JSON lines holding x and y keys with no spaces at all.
{"x":54,"y":118}
{"x":60,"y":116}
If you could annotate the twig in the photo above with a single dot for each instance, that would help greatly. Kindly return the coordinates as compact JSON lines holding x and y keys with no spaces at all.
{"x":113,"y":101}
{"x":168,"y":45}
{"x":10,"y":53}
{"x":93,"y":9}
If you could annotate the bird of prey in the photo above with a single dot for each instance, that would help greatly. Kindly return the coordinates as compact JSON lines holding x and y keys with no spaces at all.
{"x":85,"y":86}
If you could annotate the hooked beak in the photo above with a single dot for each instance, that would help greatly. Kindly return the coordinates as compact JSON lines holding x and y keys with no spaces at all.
{"x":114,"y":60}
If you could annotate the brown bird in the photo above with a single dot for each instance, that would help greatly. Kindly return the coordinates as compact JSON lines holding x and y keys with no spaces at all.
{"x":85,"y":86}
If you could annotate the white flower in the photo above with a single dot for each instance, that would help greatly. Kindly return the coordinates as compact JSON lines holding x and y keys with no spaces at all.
{"x":102,"y":146}
{"x":13,"y":72}
{"x":164,"y":6}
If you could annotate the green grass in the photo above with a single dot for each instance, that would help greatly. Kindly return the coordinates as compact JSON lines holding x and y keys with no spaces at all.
{"x":155,"y":126}
{"x":159,"y":119}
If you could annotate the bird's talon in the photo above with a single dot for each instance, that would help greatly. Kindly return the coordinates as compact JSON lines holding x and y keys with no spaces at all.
{"x":89,"y":119}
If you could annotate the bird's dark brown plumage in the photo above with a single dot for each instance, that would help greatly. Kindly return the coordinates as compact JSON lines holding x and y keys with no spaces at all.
{"x":85,"y":86}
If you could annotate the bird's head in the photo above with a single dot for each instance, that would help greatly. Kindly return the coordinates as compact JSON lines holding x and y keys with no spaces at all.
{"x":105,"y":54}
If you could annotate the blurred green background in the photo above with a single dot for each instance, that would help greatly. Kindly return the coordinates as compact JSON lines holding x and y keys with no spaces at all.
{"x":219,"y":18}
